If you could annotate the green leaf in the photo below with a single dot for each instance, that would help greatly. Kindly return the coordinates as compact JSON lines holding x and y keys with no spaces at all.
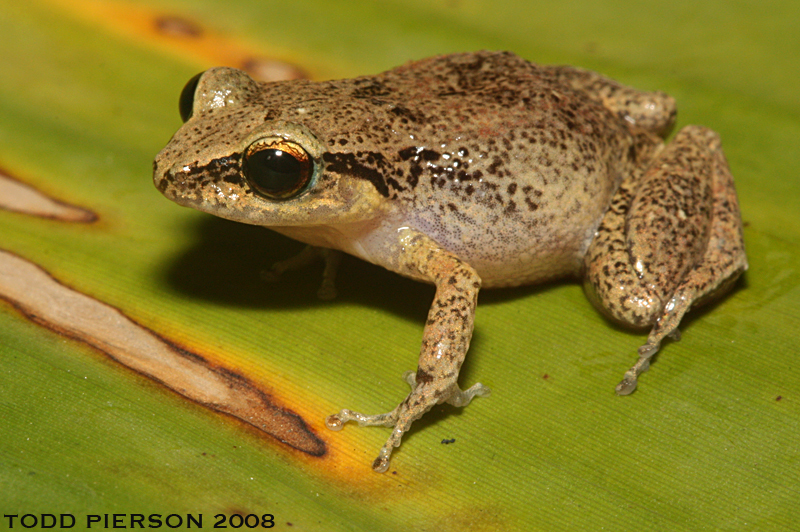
{"x":88,"y":95}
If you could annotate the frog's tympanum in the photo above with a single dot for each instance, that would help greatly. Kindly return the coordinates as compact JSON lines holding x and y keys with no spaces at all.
{"x":467,"y":171}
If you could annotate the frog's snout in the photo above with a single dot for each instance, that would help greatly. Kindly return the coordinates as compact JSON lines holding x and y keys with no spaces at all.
{"x":161,"y":178}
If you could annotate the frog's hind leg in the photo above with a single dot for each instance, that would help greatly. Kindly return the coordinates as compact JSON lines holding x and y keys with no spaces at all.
{"x":672,"y":239}
{"x":651,"y":111}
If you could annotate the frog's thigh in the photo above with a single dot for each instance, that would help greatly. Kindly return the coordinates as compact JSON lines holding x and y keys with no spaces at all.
{"x":672,"y":238}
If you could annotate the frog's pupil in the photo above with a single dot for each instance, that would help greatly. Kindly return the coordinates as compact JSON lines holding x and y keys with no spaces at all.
{"x":276,"y":173}
{"x":186,"y":101}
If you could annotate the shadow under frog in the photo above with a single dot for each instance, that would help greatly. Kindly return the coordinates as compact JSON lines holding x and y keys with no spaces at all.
{"x":241,"y":253}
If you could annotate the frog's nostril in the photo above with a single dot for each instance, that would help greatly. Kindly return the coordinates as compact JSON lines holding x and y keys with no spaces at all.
{"x":162,"y":184}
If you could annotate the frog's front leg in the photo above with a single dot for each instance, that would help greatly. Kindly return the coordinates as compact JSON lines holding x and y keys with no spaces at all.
{"x":671,"y":239}
{"x":445,"y":341}
{"x":307,"y":256}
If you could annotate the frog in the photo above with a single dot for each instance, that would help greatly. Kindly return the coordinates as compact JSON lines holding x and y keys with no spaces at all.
{"x":469,"y":171}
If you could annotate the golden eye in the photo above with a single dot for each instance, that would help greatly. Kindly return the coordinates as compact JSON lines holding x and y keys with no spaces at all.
{"x":277,"y":169}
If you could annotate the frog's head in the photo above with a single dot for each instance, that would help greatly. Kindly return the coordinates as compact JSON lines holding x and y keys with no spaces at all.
{"x":233,"y":160}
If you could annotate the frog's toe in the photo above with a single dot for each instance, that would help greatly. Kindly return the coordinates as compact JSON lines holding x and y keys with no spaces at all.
{"x":461,"y":398}
{"x":381,"y":464}
{"x":629,"y":382}
{"x":334,"y":422}
{"x":626,"y":386}
{"x":631,"y":379}
{"x":337,"y":421}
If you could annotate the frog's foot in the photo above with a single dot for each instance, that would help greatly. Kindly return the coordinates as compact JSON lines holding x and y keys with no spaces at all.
{"x":628,"y":384}
{"x":307,"y":256}
{"x":389,"y":419}
{"x":419,"y":401}
{"x":458,"y":397}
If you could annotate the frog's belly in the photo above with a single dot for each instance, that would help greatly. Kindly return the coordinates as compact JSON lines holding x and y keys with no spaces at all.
{"x":529,"y":266}
{"x":505,"y":251}
{"x":518,"y":256}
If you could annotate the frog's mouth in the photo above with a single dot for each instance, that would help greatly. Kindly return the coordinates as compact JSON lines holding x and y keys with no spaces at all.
{"x":202,"y":186}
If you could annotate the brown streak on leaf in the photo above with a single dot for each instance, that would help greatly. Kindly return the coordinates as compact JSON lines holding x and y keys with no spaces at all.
{"x":177,"y":33}
{"x":49,"y":303}
{"x":173,"y":26}
{"x":19,"y":197}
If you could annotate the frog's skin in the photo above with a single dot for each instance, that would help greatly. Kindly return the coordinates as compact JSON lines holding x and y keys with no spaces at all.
{"x":468,"y":171}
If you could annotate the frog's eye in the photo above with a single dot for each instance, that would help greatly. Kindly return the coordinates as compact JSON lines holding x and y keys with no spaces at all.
{"x":186,"y":101}
{"x":277,"y":169}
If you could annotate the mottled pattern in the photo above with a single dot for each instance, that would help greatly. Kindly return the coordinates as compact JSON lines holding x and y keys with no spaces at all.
{"x":499,"y":160}
{"x":472,"y":170}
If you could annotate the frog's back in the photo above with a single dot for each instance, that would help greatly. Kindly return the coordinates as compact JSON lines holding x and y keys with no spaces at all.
{"x":522,"y":167}
{"x":492,"y":156}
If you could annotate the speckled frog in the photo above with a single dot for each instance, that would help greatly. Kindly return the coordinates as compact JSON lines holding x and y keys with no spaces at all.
{"x":467,"y":171}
